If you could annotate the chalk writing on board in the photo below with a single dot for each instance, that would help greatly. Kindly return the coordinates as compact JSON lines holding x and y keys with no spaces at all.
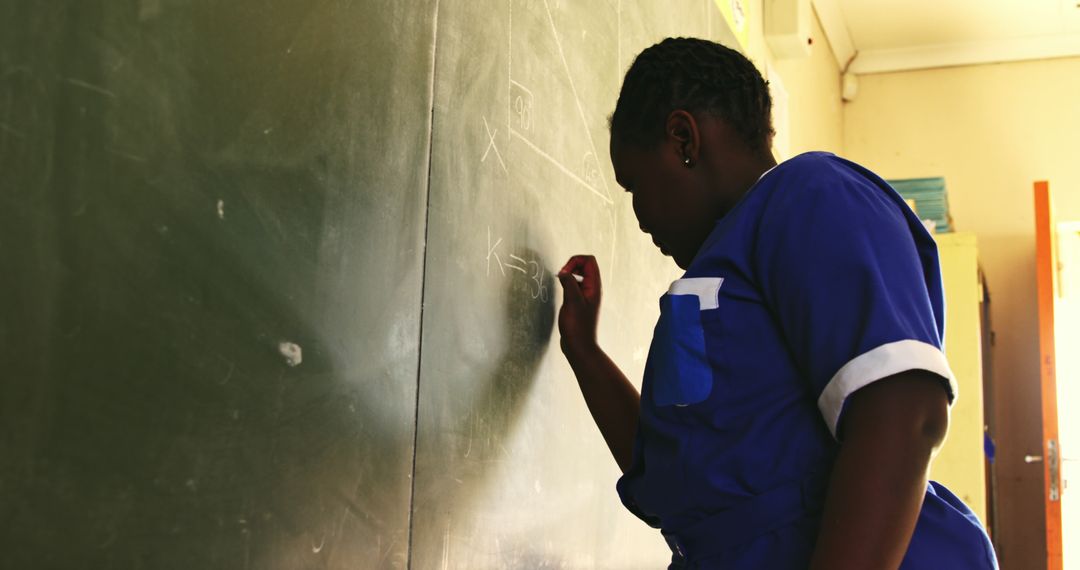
{"x":521,"y":267}
{"x":491,"y":144}
{"x":555,"y":162}
{"x":540,"y":290}
{"x":577,"y":99}
{"x":521,"y":100}
{"x":591,"y":170}
{"x":529,"y":267}
{"x":522,"y":118}
{"x":491,"y":252}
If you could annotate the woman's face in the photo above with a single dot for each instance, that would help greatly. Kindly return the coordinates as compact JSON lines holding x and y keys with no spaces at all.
{"x":672,"y":203}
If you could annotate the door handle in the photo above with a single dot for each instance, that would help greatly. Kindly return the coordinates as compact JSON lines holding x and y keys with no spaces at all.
{"x":1053,"y":453}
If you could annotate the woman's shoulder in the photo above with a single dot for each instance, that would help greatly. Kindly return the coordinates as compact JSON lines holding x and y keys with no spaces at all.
{"x":815,"y":165}
{"x":819,"y":178}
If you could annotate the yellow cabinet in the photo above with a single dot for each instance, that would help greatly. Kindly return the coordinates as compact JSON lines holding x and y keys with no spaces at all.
{"x":961,"y":464}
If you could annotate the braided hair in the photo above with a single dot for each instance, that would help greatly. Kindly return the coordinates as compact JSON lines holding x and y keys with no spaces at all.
{"x":697,"y":76}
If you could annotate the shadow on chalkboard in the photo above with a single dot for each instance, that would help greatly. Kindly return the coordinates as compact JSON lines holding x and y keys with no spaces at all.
{"x":478,"y":462}
{"x":477,"y":441}
{"x":529,"y":313}
{"x":528,"y":319}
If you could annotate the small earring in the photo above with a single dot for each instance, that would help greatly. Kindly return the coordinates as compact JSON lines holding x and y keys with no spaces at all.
{"x":686,"y":161}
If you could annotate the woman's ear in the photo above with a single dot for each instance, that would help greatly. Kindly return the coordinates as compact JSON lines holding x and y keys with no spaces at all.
{"x":682,"y":134}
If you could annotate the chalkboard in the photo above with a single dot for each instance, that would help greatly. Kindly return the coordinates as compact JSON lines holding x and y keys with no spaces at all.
{"x":278,"y":281}
{"x":511,"y":472}
{"x":210,"y":344}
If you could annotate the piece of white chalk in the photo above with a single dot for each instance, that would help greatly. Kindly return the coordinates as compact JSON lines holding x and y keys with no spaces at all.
{"x":578,"y":278}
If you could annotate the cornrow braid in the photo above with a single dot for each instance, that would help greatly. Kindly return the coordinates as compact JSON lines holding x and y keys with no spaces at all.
{"x":697,"y":76}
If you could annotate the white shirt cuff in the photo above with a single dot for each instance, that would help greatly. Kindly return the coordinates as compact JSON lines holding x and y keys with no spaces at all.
{"x":876,"y":364}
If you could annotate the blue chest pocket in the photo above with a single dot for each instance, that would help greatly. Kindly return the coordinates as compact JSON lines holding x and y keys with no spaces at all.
{"x":680,"y":371}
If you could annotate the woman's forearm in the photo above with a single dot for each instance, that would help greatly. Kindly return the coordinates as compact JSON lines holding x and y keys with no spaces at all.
{"x":613,"y":401}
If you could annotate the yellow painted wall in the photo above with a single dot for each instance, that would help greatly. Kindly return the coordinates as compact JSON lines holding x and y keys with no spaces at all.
{"x":813,"y":85}
{"x":816,"y":108}
{"x":959,"y":465}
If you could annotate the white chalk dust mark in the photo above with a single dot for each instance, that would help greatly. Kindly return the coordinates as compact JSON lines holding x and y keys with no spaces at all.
{"x":15,"y":133}
{"x":292,"y":352}
{"x":446,"y":548}
{"x":90,"y":87}
{"x":127,"y":155}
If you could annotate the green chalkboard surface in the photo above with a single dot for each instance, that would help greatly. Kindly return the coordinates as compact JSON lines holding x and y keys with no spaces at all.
{"x":511,"y":472}
{"x":277,"y":286}
{"x":216,"y":212}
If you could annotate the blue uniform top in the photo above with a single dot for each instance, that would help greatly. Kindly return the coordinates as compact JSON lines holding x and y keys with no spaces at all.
{"x":819,"y":282}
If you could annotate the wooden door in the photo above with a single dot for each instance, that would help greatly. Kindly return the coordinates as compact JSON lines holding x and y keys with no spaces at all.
{"x":1046,"y":270}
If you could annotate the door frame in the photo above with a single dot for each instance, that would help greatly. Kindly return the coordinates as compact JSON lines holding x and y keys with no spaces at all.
{"x":1046,"y":277}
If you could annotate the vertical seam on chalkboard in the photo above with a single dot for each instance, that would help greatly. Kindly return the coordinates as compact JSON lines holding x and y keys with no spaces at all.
{"x":509,"y":64}
{"x":423,"y":282}
{"x":618,"y":44}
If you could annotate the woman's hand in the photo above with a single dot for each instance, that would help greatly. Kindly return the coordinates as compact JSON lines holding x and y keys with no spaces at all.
{"x":613,"y":401}
{"x":580,"y":310}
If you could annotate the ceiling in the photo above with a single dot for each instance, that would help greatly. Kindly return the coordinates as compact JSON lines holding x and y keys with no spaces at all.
{"x":895,"y":35}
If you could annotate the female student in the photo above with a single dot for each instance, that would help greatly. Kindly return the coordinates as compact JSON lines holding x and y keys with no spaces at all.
{"x":795,"y":390}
